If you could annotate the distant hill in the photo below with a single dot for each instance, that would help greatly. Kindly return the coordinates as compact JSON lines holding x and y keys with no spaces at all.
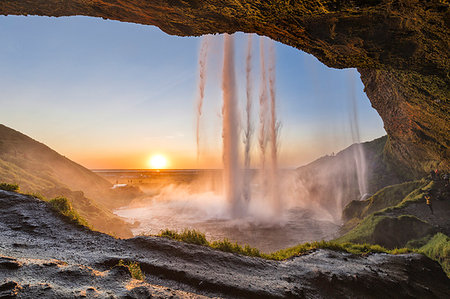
{"x":332,"y":181}
{"x":36,"y":168}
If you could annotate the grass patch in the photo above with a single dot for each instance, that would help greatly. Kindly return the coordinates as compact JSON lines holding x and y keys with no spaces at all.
{"x":363,"y":232}
{"x":9,"y":187}
{"x":134,"y":268}
{"x":438,"y":249}
{"x":63,"y":206}
{"x":188,"y":236}
{"x":195,"y":237}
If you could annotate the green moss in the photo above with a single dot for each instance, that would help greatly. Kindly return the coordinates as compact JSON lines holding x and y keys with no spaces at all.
{"x":63,"y":207}
{"x":390,"y":196}
{"x":438,"y":249}
{"x":134,"y":269}
{"x":386,"y":197}
{"x":390,"y":232}
{"x":363,"y":232}
{"x":9,"y":187}
{"x":227,"y":246}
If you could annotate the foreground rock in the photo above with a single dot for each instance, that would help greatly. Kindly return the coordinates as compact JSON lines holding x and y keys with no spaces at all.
{"x":43,"y":256}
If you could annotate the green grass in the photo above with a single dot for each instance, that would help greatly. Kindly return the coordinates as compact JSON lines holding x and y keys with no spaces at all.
{"x":63,"y":207}
{"x":9,"y":187}
{"x":390,"y":196}
{"x":438,"y":249}
{"x":134,"y":269}
{"x":188,"y":236}
{"x":195,"y":237}
{"x":363,"y":232}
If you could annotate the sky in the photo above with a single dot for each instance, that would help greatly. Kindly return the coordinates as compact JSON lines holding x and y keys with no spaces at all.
{"x":111,"y":95}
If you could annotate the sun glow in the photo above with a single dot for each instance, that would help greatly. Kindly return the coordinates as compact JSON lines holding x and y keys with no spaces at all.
{"x":158,"y":162}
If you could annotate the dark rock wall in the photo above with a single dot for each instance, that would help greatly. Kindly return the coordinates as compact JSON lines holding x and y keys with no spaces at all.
{"x":401,"y":45}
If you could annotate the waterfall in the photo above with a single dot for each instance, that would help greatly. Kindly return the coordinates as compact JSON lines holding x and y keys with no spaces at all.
{"x":230,"y":133}
{"x":273,"y":134}
{"x":202,"y":61}
{"x":358,"y":151}
{"x":237,"y":178}
{"x":248,"y":131}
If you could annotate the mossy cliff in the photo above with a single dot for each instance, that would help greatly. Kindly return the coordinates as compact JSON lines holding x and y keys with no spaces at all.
{"x":399,"y":47}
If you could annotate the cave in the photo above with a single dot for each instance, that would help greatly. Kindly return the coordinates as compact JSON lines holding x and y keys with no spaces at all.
{"x":400,"y":49}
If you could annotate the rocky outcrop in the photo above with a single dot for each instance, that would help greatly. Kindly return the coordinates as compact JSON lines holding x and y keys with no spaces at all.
{"x":41,"y":255}
{"x":400,"y":48}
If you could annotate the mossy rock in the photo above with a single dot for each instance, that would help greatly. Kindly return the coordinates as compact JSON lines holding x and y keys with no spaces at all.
{"x":389,"y":232}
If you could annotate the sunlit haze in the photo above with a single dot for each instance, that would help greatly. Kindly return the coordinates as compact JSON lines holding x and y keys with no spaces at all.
{"x":116,"y":95}
{"x":158,"y":162}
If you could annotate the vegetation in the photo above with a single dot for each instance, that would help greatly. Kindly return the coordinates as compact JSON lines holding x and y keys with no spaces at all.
{"x":387,"y":231}
{"x":134,"y":269}
{"x":9,"y":187}
{"x":387,"y":197}
{"x":195,"y":237}
{"x":188,"y":236}
{"x":63,"y":206}
{"x":438,"y":249}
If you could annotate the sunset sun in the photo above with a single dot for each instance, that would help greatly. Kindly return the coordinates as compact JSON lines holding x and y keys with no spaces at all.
{"x":157,"y":162}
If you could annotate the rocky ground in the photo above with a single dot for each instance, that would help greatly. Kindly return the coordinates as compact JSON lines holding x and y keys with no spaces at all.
{"x":42,"y":256}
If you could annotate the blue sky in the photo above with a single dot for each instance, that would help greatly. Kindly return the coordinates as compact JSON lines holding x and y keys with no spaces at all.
{"x":109,"y":95}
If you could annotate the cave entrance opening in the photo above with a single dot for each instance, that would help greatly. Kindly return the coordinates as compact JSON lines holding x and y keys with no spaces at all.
{"x":127,"y":93}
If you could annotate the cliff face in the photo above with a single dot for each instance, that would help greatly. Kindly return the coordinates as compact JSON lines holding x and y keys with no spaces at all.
{"x":400,"y":47}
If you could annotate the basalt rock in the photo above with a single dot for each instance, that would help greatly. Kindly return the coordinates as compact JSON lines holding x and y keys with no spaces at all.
{"x":400,"y":48}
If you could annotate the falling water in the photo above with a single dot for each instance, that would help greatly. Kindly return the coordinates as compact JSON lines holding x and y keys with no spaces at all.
{"x":237,"y":179}
{"x":201,"y":86}
{"x":273,"y":134}
{"x":248,"y":131}
{"x":230,"y":130}
{"x":358,"y":151}
{"x":263,"y":108}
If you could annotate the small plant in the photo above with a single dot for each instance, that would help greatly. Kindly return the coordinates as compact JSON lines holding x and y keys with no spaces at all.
{"x":9,"y":187}
{"x":63,"y":206}
{"x":133,"y":268}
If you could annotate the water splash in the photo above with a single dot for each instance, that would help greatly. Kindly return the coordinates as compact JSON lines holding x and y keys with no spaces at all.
{"x":202,"y":63}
